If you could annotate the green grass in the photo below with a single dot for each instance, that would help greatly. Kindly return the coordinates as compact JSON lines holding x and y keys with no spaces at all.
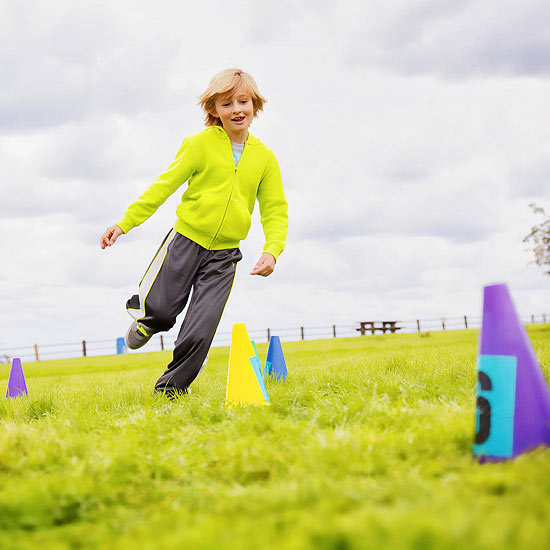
{"x":367,"y":445}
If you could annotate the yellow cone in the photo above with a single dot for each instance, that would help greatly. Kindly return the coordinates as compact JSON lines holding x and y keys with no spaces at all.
{"x":244,"y":385}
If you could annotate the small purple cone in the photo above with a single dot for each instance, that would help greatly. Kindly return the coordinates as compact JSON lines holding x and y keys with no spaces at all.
{"x":275,"y":360}
{"x":16,"y":383}
{"x":513,"y":404}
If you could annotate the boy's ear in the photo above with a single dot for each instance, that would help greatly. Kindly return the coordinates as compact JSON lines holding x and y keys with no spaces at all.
{"x":213,"y":112}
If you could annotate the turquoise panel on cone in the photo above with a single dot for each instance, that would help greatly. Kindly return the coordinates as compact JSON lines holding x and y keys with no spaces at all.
{"x":496,"y":401}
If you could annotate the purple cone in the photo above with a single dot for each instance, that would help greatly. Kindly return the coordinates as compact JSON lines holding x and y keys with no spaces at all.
{"x":513,"y":396}
{"x":16,"y":383}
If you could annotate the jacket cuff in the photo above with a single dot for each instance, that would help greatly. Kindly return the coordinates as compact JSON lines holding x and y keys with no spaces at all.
{"x":273,"y":249}
{"x":125,"y":225}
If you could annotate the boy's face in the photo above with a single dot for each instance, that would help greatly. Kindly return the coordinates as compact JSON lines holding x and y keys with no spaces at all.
{"x":236,"y":111}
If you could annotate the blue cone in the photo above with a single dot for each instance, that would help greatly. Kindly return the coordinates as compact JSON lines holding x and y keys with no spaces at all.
{"x":16,"y":383}
{"x":275,"y":361}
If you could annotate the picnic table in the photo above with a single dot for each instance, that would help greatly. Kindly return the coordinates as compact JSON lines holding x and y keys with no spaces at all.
{"x":382,"y":326}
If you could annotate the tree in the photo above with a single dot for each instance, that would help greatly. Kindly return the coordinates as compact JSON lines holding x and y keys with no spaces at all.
{"x":540,"y":238}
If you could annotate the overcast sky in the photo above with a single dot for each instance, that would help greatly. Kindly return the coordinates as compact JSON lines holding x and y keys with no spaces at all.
{"x":412,"y":137}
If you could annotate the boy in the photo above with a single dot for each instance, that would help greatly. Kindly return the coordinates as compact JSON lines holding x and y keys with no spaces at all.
{"x":227,"y":169}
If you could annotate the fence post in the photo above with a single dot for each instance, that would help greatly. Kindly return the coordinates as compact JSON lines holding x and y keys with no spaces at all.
{"x":532,"y":318}
{"x":268,"y":335}
{"x":334,"y":330}
{"x":418,"y":325}
{"x":465,"y":321}
{"x":544,"y":317}
{"x":161,"y":342}
{"x":84,"y":348}
{"x":36,"y":352}
{"x":443,"y":322}
{"x":302,"y":331}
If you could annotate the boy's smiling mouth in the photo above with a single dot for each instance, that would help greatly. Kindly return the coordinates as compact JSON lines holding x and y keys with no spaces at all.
{"x":238,"y":119}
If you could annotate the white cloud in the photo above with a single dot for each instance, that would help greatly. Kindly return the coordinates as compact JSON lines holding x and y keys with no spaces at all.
{"x":454,"y":39}
{"x":410,"y":139}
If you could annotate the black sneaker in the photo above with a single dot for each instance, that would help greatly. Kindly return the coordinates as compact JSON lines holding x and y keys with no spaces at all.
{"x":137,"y":336}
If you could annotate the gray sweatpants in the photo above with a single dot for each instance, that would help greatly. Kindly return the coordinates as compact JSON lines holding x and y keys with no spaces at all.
{"x":179,"y":266}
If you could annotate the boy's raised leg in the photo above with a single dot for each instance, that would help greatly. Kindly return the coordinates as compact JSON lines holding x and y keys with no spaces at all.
{"x":166,"y":285}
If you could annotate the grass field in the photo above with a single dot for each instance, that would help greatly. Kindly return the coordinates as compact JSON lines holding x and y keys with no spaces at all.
{"x":367,"y":445}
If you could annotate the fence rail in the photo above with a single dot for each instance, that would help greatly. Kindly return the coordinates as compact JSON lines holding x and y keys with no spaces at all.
{"x":88,"y":348}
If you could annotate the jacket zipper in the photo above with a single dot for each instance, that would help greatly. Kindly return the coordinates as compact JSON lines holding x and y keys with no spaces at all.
{"x":230,"y":194}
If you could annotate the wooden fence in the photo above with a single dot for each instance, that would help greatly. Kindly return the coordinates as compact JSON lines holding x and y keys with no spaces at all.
{"x":87,"y":348}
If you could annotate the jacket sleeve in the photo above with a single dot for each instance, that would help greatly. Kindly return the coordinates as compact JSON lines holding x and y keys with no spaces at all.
{"x":177,"y":173}
{"x":273,"y":209}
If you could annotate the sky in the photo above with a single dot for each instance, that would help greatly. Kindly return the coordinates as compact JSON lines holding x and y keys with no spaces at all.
{"x":412,"y":137}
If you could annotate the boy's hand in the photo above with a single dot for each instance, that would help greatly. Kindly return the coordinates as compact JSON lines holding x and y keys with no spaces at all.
{"x":264,"y":266}
{"x":111,"y":234}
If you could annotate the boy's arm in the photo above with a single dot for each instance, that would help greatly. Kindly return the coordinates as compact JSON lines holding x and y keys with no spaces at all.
{"x":273,"y":209}
{"x":177,"y":173}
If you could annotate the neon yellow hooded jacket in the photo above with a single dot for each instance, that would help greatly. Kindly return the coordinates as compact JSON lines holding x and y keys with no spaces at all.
{"x":216,"y":207}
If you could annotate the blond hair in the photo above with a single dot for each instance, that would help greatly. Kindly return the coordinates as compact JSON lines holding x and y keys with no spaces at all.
{"x":225,"y":84}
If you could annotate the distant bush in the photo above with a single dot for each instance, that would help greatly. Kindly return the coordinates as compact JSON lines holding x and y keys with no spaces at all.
{"x":540,"y":238}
